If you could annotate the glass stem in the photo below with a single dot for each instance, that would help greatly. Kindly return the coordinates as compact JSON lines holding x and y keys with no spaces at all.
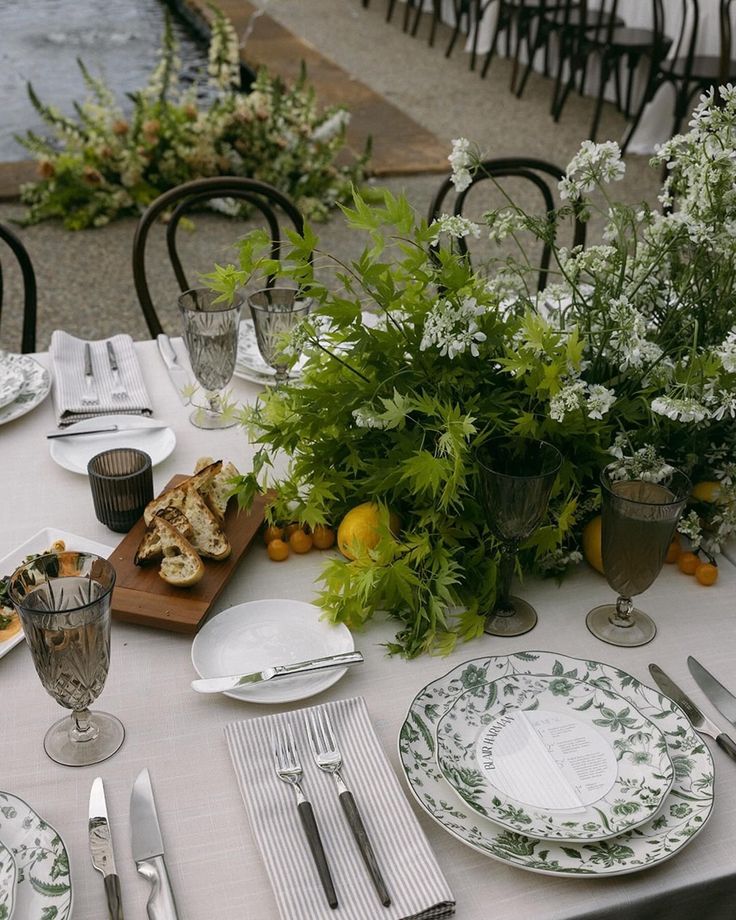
{"x":622,"y":617}
{"x":84,"y":728}
{"x":504,"y":607}
{"x":215,"y":407}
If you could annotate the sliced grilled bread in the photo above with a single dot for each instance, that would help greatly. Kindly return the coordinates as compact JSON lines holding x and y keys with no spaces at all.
{"x":220,"y":489}
{"x":208,"y":538}
{"x":150,"y":548}
{"x":181,"y":564}
{"x":174,"y":497}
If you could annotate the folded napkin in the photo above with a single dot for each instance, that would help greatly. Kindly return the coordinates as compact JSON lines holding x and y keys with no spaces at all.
{"x":67,"y":353}
{"x":415,"y":883}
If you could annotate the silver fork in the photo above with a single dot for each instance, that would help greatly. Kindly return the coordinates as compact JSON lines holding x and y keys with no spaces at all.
{"x":328,"y":758}
{"x":89,"y":397}
{"x":289,"y":770}
{"x":118,"y":390}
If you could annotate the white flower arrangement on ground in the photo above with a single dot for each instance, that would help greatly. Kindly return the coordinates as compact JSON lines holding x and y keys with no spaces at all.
{"x":107,"y":162}
{"x":628,"y":356}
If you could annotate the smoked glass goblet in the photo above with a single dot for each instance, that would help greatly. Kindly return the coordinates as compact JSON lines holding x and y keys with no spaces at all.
{"x":64,"y":604}
{"x":276,"y":311}
{"x":638,"y":522}
{"x":517,"y":475}
{"x":211,"y":336}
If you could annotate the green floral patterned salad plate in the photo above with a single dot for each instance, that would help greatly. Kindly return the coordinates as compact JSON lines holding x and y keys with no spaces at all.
{"x":36,"y":386}
{"x":684,"y":813}
{"x":554,"y":758}
{"x":44,"y":888}
{"x":7,"y":882}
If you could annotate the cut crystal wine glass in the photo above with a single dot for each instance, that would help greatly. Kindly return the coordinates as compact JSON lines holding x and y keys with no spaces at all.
{"x":64,"y":604}
{"x":638,"y":522}
{"x":211,"y":330}
{"x":275,"y":312}
{"x":517,"y":475}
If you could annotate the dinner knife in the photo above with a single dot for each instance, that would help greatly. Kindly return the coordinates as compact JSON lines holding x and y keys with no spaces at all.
{"x":722,"y":699}
{"x":108,"y":430}
{"x":699,"y":722}
{"x":179,"y":377}
{"x":100,"y":848}
{"x":221,"y":684}
{"x":148,"y":849}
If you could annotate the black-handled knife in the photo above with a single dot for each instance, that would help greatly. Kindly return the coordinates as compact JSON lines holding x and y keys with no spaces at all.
{"x":309,"y":823}
{"x":700,"y":723}
{"x":100,"y":847}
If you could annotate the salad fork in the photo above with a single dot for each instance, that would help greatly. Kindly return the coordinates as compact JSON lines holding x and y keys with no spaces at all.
{"x":89,"y":397}
{"x":289,"y":770}
{"x":118,"y":391}
{"x":328,"y":758}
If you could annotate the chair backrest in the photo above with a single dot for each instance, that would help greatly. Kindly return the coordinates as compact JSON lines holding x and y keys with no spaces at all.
{"x":178,"y":201}
{"x":28,"y":335}
{"x":521,"y":167}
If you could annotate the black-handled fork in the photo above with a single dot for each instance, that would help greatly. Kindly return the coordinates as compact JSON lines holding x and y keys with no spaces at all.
{"x":327,"y":756}
{"x":289,"y":770}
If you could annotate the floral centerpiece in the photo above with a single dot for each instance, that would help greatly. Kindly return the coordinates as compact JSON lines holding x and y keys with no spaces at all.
{"x":629,"y":355}
{"x":106,"y":162}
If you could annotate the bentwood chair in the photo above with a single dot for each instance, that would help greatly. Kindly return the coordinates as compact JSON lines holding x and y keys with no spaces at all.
{"x":28,"y":334}
{"x":686,"y":71}
{"x":179,"y":201}
{"x":537,"y":173}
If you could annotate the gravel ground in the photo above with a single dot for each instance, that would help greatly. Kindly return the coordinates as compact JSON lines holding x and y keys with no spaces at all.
{"x":85,"y":279}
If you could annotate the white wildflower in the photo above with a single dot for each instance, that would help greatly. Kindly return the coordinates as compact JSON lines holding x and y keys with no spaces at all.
{"x":594,"y":164}
{"x":568,"y":399}
{"x":599,"y":400}
{"x":689,"y":526}
{"x":726,"y":352}
{"x":331,"y":126}
{"x":503,"y":223}
{"x":455,"y":226}
{"x":461,"y":160}
{"x":365,"y":417}
{"x":452,"y":327}
{"x":679,"y":409}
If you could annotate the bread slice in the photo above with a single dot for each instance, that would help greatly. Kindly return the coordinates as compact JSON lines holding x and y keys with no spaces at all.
{"x":202,"y":463}
{"x":150,"y":548}
{"x":220,"y":489}
{"x":181,"y":565}
{"x":174,"y":497}
{"x":208,"y":538}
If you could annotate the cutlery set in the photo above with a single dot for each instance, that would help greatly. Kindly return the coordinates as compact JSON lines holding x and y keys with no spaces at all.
{"x":146,"y":843}
{"x":328,"y":758}
{"x":90,"y":397}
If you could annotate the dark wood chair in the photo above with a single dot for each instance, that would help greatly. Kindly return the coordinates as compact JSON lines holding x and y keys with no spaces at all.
{"x":537,"y":172}
{"x":28,"y":335}
{"x":184,"y":198}
{"x":686,"y":71}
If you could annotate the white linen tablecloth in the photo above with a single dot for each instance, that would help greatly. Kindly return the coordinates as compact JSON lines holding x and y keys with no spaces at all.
{"x":211,"y":855}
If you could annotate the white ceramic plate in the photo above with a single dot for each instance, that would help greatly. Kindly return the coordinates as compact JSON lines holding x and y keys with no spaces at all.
{"x":12,"y":380}
{"x":37,"y":544}
{"x":44,"y":888}
{"x":7,"y":882}
{"x":36,"y":387}
{"x":252,"y":636}
{"x":75,"y":453}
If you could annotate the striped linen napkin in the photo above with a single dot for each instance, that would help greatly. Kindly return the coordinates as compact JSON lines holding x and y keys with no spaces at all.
{"x":415,"y":883}
{"x":67,"y":353}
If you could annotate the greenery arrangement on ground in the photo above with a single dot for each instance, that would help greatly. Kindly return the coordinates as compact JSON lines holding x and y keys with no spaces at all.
{"x":107,"y":162}
{"x":629,"y":356}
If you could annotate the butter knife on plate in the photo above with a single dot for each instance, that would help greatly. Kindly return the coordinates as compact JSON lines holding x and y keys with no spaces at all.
{"x":148,"y":849}
{"x":179,"y":376}
{"x":722,"y":699}
{"x":700,"y":723}
{"x":232,"y":682}
{"x":100,"y":848}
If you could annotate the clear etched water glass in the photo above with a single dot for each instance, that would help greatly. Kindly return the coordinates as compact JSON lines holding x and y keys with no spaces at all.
{"x":638,"y":522}
{"x":64,"y":604}
{"x":276,"y":311}
{"x":210,"y":331}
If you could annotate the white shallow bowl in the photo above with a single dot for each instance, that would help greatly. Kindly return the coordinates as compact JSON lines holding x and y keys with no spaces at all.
{"x":249,"y":637}
{"x":74,"y":454}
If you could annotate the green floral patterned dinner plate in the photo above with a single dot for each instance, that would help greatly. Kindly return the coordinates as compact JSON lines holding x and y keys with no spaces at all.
{"x":44,"y":887}
{"x":685,"y":812}
{"x":7,"y":882}
{"x":553,"y":757}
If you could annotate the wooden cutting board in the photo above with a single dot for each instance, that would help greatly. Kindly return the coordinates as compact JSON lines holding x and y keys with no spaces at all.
{"x":141,"y":596}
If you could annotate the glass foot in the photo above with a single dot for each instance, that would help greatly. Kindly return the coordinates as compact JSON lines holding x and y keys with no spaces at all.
{"x":210,"y":421}
{"x":520,"y":621}
{"x":605,"y":623}
{"x":106,"y":736}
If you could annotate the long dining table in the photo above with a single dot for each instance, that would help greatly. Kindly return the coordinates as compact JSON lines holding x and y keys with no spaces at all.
{"x":179,"y":735}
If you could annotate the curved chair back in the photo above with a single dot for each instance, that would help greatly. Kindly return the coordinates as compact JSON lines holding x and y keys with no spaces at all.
{"x":28,"y":336}
{"x":178,"y":201}
{"x":537,"y":172}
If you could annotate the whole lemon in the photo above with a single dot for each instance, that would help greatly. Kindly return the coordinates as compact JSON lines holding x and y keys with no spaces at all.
{"x":706,"y":491}
{"x":592,"y":544}
{"x":359,"y":529}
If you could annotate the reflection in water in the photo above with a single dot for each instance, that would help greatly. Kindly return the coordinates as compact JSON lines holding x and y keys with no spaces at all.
{"x":41,"y":40}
